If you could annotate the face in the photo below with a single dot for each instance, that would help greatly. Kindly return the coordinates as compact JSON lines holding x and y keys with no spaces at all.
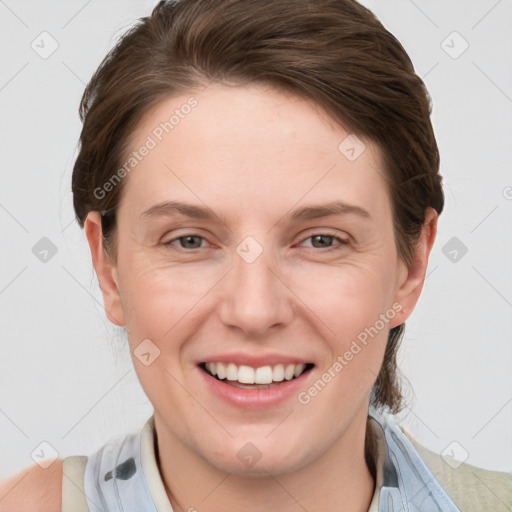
{"x":250,"y":246}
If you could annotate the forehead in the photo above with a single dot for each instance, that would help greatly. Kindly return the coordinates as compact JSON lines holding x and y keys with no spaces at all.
{"x":255,"y":142}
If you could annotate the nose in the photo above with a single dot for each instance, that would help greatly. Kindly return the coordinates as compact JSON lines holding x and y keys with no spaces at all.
{"x":255,"y":298}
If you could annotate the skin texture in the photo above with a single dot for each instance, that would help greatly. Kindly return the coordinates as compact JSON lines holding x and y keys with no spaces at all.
{"x":34,"y":488}
{"x":252,"y":155}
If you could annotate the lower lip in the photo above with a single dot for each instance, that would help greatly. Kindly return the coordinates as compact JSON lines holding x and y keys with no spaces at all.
{"x":253,"y":399}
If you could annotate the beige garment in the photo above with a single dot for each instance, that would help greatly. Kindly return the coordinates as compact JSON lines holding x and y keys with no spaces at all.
{"x":471,"y":488}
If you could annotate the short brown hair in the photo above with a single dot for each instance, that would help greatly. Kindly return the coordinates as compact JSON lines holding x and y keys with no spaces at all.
{"x":333,"y":52}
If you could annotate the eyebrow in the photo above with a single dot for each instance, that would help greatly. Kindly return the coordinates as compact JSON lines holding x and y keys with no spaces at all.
{"x":328,"y":209}
{"x":171,"y":208}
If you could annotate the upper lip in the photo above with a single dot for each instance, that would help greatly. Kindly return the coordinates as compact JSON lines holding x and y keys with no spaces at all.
{"x":255,"y":361}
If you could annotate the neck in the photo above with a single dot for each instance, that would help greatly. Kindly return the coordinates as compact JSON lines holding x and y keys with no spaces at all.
{"x":340,"y":479}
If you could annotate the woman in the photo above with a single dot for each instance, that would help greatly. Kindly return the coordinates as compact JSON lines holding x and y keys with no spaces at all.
{"x":259,"y":186}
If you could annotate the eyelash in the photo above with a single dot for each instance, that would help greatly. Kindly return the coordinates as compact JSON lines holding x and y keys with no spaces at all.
{"x":342,"y":242}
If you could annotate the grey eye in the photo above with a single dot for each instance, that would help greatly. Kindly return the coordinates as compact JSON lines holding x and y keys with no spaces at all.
{"x":323,"y":240}
{"x":188,"y":242}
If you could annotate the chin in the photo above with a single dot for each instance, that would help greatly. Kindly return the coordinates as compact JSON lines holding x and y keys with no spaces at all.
{"x":260,"y":457}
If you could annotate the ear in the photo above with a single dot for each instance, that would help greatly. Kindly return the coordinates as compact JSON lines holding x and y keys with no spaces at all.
{"x":411,"y":279}
{"x":105,"y":270}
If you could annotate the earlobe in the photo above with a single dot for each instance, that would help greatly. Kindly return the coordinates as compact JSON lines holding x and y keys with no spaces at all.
{"x":411,"y":279}
{"x":105,"y":270}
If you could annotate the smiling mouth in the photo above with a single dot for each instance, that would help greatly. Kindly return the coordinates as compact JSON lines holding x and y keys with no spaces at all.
{"x":247,"y":377}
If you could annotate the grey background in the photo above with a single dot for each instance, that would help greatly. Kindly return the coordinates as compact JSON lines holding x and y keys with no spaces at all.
{"x":65,"y":373}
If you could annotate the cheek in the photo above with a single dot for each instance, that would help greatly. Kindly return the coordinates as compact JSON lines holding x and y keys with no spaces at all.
{"x":355,"y":314}
{"x":348,"y":297}
{"x":159,"y":305}
{"x":160,"y":299}
{"x":353,"y":306}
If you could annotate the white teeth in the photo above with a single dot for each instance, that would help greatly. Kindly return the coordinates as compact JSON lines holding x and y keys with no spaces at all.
{"x":221,"y":370}
{"x":278,"y":373}
{"x":248,"y":375}
{"x":212,"y":368}
{"x":232,"y":372}
{"x":263,"y":375}
{"x":299,"y":369}
{"x":289,"y":371}
{"x":245,"y":375}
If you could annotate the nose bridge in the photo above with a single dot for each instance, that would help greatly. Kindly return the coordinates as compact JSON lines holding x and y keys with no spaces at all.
{"x":255,"y":299}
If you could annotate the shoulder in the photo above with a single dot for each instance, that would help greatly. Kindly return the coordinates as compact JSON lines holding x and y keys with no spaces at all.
{"x":33,"y":488}
{"x":470,"y":487}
